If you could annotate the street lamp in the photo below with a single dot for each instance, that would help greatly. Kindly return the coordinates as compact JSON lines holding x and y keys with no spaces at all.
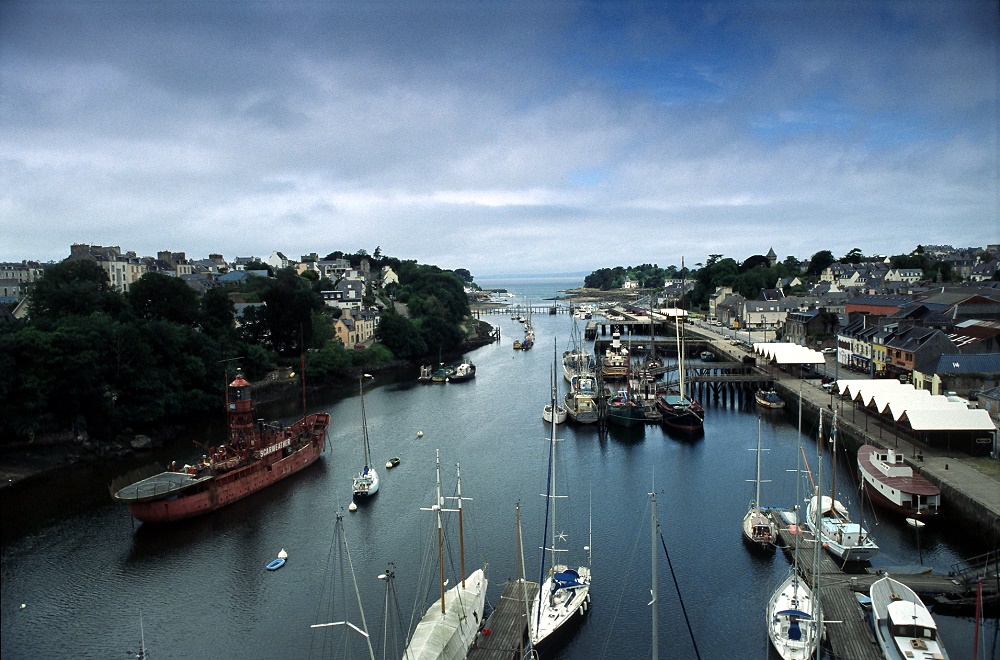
{"x":763,"y":323}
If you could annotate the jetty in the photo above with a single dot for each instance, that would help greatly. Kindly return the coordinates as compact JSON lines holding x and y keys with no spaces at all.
{"x":848,"y":633}
{"x":504,"y":632}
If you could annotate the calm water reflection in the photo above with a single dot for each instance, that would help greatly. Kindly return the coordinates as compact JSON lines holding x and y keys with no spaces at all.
{"x":203,"y":590}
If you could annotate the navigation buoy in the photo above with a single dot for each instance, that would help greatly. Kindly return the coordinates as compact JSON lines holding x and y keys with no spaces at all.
{"x":352,"y":507}
{"x":420,"y":434}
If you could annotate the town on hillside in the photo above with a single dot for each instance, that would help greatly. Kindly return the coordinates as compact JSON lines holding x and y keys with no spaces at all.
{"x":931,"y":318}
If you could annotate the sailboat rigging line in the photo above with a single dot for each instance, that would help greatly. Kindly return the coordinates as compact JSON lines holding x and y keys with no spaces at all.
{"x":680,"y":599}
{"x":628,"y":569}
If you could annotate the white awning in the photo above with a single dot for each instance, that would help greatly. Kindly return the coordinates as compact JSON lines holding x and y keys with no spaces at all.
{"x":954,"y":419}
{"x":782,"y":353}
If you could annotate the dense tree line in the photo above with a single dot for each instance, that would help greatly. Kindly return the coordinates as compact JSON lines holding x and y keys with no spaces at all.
{"x":90,"y":359}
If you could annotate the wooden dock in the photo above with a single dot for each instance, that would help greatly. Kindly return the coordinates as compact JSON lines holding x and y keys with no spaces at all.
{"x":848,"y":633}
{"x":506,"y":628}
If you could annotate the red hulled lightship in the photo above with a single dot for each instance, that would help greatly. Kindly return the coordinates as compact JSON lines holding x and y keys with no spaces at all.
{"x":254,"y":456}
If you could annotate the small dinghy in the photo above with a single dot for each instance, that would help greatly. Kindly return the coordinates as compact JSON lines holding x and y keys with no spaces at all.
{"x":392,"y":462}
{"x":279,"y":562}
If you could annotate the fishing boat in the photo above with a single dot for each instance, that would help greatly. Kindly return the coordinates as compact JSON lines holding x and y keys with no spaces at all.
{"x":463,"y":372}
{"x":366,"y":481}
{"x":448,"y":628}
{"x":891,"y":483}
{"x":903,"y":625}
{"x":624,"y":409}
{"x":426,"y":373}
{"x":577,"y":361}
{"x":759,"y":533}
{"x":768,"y":399}
{"x":564,"y":595}
{"x":615,"y":362}
{"x":581,"y":400}
{"x":845,"y":540}
{"x":254,"y":455}
{"x":442,"y":373}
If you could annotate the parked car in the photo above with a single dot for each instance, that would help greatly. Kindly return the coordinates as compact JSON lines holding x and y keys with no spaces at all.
{"x":827,"y":351}
{"x":359,"y":346}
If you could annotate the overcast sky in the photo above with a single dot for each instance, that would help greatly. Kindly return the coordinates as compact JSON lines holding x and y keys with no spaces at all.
{"x":502,"y":137}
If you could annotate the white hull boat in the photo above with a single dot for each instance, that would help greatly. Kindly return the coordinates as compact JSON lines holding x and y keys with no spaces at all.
{"x":903,"y":625}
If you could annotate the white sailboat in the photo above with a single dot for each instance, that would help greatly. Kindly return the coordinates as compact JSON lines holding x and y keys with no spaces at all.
{"x":552,"y":412}
{"x":759,"y":532}
{"x":449,"y":626}
{"x":366,"y":481}
{"x":845,"y":540}
{"x":564,"y":593}
{"x":793,"y":616}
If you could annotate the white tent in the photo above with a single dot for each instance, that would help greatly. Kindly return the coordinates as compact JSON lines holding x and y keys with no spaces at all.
{"x":959,"y":418}
{"x":782,"y":353}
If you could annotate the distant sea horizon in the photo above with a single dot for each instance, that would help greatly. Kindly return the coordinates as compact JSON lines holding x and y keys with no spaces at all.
{"x":533,"y":287}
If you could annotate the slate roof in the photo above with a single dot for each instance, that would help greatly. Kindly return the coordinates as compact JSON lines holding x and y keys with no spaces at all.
{"x":981,"y":363}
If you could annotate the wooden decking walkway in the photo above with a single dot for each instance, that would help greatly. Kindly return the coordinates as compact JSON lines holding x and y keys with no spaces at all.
{"x":507,"y":625}
{"x":848,"y":633}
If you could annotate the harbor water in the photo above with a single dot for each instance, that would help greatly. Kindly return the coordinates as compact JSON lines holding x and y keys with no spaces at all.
{"x":76,"y":587}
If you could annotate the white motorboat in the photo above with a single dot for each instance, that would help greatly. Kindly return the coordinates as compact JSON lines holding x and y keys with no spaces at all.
{"x":903,"y":625}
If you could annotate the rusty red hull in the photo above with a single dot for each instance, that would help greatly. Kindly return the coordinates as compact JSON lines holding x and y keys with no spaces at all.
{"x":309,"y":437}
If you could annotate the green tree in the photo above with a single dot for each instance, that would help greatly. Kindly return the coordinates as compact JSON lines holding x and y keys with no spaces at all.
{"x":73,"y":288}
{"x":157,"y":296}
{"x":819,"y":262}
{"x":216,"y":313}
{"x":401,"y":336}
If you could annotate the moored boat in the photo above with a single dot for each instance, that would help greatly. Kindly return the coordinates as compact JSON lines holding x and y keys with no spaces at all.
{"x":891,"y":483}
{"x":254,"y":456}
{"x":559,"y":416}
{"x":449,"y":626}
{"x":903,"y":625}
{"x":828,"y":517}
{"x":366,"y":482}
{"x":615,"y":362}
{"x":564,"y":592}
{"x":791,"y":619}
{"x":759,"y":533}
{"x":463,"y":372}
{"x":768,"y":399}
{"x":581,"y":401}
{"x":625,"y":410}
{"x":680,"y":412}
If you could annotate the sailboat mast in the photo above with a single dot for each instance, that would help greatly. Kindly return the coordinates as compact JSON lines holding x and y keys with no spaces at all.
{"x":756,"y":501}
{"x":461,"y":533}
{"x":833,"y":477}
{"x":680,"y":339}
{"x":437,"y":508}
{"x":653,"y":588}
{"x":364,"y":418}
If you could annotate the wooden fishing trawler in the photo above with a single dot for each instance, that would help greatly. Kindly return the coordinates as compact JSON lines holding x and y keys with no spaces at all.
{"x":254,"y":456}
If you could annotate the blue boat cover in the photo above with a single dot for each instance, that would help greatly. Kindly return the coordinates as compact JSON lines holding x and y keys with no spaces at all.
{"x":567,"y":578}
{"x":798,"y":613}
{"x":794,"y":633}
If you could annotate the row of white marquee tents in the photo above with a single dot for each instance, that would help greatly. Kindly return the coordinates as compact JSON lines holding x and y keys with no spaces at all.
{"x":919,"y":409}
